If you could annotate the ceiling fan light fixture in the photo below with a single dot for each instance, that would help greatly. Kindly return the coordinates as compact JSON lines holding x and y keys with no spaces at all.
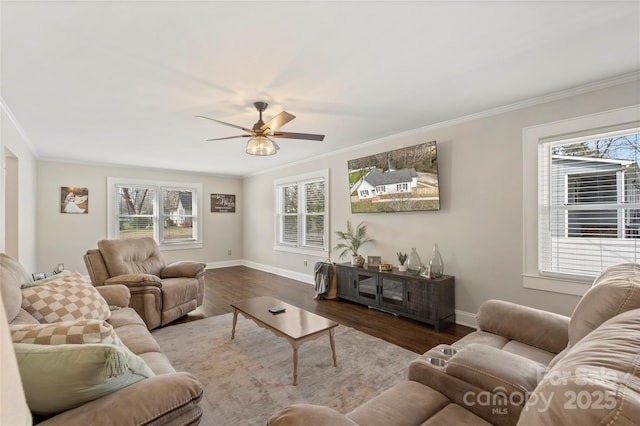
{"x":260,"y":145}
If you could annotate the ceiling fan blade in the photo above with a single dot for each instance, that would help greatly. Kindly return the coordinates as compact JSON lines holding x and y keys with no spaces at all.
{"x":305,"y":136}
{"x":278,"y":121}
{"x":229,"y":137}
{"x":225,"y":123}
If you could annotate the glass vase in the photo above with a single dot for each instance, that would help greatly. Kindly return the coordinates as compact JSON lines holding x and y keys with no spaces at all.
{"x":414,"y":264}
{"x":436,"y":265}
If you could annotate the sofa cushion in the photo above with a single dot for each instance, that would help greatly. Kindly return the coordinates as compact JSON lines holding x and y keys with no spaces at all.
{"x":453,"y":414}
{"x":65,"y":332}
{"x":60,"y":377}
{"x":307,"y":414}
{"x":615,"y":291}
{"x":407,"y":403}
{"x":66,"y":298}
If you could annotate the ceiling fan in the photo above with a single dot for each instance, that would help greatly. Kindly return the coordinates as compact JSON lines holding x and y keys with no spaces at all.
{"x":260,"y":142}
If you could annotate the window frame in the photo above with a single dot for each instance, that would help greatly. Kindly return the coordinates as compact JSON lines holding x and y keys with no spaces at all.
{"x":158,"y":216}
{"x":578,"y":127}
{"x":299,"y":246}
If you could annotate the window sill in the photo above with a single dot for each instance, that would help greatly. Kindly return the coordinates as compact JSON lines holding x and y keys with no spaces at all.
{"x":305,"y":251}
{"x":555,"y":285}
{"x":180,"y":246}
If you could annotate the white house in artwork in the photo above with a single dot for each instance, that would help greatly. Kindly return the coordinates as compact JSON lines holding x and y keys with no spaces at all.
{"x":377,"y":183}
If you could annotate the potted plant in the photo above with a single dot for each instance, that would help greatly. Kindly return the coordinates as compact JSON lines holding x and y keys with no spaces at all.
{"x":402,"y":257}
{"x":352,"y":240}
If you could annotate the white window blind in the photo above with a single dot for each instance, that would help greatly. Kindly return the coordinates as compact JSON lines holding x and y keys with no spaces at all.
{"x":301,"y":214}
{"x":589,"y":203}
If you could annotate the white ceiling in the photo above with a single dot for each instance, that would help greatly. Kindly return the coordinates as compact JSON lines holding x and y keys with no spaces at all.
{"x":109,"y":82}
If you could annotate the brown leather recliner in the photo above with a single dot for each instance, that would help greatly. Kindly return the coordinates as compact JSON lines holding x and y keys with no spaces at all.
{"x":160,"y":293}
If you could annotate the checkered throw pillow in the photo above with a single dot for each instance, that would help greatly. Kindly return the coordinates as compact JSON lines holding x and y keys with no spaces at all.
{"x":65,"y":299}
{"x":65,"y":332}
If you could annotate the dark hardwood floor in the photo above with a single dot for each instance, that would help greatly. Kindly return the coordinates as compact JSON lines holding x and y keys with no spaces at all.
{"x":226,"y":285}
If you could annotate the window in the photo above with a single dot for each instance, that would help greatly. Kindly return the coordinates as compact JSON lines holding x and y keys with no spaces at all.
{"x":581,"y":199}
{"x":167,"y":212}
{"x":301,"y":214}
{"x":589,"y":199}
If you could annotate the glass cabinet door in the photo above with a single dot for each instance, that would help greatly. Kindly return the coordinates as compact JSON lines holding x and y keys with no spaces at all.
{"x":367,"y":285}
{"x":392,"y":291}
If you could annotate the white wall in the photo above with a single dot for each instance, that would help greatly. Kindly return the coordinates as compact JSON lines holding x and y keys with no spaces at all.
{"x":66,"y":237}
{"x":479,"y":228}
{"x":13,"y":140}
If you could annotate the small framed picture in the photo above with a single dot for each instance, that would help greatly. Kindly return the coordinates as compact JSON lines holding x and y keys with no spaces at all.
{"x":39,"y":276}
{"x":74,"y":199}
{"x":426,"y":272}
{"x":374,"y":261}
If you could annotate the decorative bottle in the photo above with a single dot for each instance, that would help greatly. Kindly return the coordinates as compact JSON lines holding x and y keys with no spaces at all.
{"x":436,"y":265}
{"x":414,"y":265}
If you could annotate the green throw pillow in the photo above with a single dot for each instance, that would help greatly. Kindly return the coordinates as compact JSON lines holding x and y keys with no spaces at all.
{"x":60,"y":377}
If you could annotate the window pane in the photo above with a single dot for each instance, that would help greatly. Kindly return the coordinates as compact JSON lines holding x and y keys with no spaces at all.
{"x":314,"y":230}
{"x":178,"y":215}
{"x":135,"y":200}
{"x":589,"y":197}
{"x":290,"y":229}
{"x":135,"y":207}
{"x":136,"y":227}
{"x":314,"y":197}
{"x":290,"y":199}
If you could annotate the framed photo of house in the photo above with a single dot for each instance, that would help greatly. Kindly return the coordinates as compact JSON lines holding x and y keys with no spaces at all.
{"x":74,"y":199}
{"x":374,"y":261}
{"x":401,"y":180}
{"x":223,"y":203}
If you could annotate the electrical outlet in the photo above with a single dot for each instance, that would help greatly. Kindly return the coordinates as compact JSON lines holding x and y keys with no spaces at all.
{"x":305,"y":262}
{"x":229,"y":252}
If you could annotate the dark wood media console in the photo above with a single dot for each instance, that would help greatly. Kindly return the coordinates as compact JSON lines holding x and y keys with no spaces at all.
{"x":431,"y":301}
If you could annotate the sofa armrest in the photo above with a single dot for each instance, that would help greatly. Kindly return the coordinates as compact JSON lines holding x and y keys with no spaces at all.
{"x":116,"y":294}
{"x":307,"y":414}
{"x":534,"y":327}
{"x":183,"y":269}
{"x":135,"y":280}
{"x":167,"y":399}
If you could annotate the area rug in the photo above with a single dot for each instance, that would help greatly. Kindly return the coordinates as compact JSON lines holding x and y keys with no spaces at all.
{"x":248,"y":379}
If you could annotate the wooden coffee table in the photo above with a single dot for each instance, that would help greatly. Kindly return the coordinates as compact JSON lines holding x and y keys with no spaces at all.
{"x":295,"y":324}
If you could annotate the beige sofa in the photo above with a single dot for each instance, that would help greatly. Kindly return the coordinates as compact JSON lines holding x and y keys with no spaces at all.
{"x":522,"y":366}
{"x":168,"y":398}
{"x":160,"y":292}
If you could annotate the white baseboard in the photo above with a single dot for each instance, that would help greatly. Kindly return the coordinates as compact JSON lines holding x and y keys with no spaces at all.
{"x":305,"y":278}
{"x":463,"y":318}
{"x":224,"y":264}
{"x":466,"y":318}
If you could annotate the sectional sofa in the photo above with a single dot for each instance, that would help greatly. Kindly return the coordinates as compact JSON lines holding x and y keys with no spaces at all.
{"x":84,"y":363}
{"x":522,"y":366}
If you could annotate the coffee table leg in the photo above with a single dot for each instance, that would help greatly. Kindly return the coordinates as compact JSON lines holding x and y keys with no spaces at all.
{"x":235,"y":320}
{"x":333,"y":346}
{"x":295,"y":365}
